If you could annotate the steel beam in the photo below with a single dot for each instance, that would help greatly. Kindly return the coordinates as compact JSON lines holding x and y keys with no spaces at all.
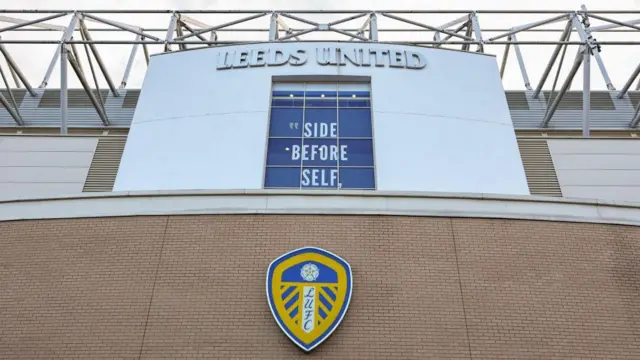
{"x":13,"y":111}
{"x":468,"y":38}
{"x":101,"y":65}
{"x":285,"y":27}
{"x":66,"y":36}
{"x":585,"y":35}
{"x":357,"y":16}
{"x":565,"y":34}
{"x":565,"y":86}
{"x":180,"y":33}
{"x":612,"y":26}
{"x":523,"y":68}
{"x":14,"y":75}
{"x":218,"y":27}
{"x":64,"y":57}
{"x":170,"y":32}
{"x":636,"y":117}
{"x":126,"y":27}
{"x":586,"y":94}
{"x":373,"y":27}
{"x":87,"y":88}
{"x":529,"y":26}
{"x":146,"y":52}
{"x":477,"y":32}
{"x":31,"y":22}
{"x":12,"y":64}
{"x":127,"y":70}
{"x":503,"y":65}
{"x":629,"y":82}
{"x":190,"y":29}
{"x":273,"y":28}
{"x":297,"y":18}
{"x":619,"y":23}
{"x":446,"y":38}
{"x":297,"y":34}
{"x":14,"y":114}
{"x":38,"y":25}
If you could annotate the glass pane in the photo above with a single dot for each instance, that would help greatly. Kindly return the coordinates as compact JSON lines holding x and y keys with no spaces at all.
{"x":321,"y":102}
{"x":357,"y":178}
{"x":284,"y":152}
{"x":322,"y":152}
{"x":286,"y":122}
{"x":355,"y":123}
{"x":321,"y":123}
{"x":282,"y":177}
{"x":358,"y":152}
{"x":319,"y":178}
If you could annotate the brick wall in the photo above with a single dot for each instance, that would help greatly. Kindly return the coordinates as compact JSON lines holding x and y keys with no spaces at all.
{"x":193,"y":286}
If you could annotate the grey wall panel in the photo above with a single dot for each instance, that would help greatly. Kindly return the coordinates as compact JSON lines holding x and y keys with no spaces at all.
{"x":42,"y":174}
{"x":599,"y":177}
{"x":597,"y":162}
{"x":16,"y":190}
{"x":40,"y":166}
{"x":18,"y":144}
{"x":619,"y":193}
{"x":46,"y":158}
{"x":600,"y":169}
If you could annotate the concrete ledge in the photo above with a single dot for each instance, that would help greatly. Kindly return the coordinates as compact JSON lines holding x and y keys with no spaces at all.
{"x":321,"y":202}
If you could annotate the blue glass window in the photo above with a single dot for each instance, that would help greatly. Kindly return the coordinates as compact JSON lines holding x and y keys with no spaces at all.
{"x":320,"y":137}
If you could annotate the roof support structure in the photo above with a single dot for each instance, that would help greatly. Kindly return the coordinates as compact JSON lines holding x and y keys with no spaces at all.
{"x":12,"y":65}
{"x":127,"y":69}
{"x":13,"y":111}
{"x":94,"y":50}
{"x":636,"y":117}
{"x":587,"y":38}
{"x":170,"y":32}
{"x":373,"y":27}
{"x":505,"y":57}
{"x":565,"y":86}
{"x":218,"y":27}
{"x":565,"y":35}
{"x":66,"y":36}
{"x":273,"y":28}
{"x":64,"y":103}
{"x":76,"y":68}
{"x":629,"y":82}
{"x":586,"y":94}
{"x":462,"y":19}
{"x":523,"y":68}
{"x":477,"y":32}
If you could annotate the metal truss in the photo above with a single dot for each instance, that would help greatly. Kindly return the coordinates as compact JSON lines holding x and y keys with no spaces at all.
{"x":187,"y":29}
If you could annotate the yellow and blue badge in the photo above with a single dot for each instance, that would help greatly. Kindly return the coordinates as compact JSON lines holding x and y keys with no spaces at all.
{"x":309,"y":290}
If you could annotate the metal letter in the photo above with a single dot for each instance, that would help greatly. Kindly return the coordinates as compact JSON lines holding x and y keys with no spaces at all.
{"x":379,"y":56}
{"x":352,"y":56}
{"x":416,"y":60}
{"x":397,"y":59}
{"x":277,"y":57}
{"x":241,"y":60}
{"x":298,"y":58}
{"x":258,"y":58}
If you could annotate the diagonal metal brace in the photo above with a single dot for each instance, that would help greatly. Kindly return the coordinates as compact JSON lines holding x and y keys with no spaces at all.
{"x":76,"y":68}
{"x":103,"y":68}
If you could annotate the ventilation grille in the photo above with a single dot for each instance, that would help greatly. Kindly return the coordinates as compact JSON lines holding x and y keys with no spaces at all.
{"x":131,"y":99}
{"x":18,"y":95}
{"x":572,"y":100}
{"x":634,"y":96}
{"x":517,"y":100}
{"x":104,"y":166}
{"x":77,"y":98}
{"x":538,"y":167}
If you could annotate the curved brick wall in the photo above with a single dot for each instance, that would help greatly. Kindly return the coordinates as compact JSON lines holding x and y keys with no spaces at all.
{"x":193,"y":286}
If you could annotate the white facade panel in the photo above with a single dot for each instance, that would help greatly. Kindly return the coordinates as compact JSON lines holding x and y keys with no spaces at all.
{"x":598,"y":169}
{"x":42,"y":166}
{"x":445,"y":127}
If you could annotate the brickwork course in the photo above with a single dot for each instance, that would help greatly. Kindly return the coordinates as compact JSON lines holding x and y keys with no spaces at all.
{"x":424,"y":288}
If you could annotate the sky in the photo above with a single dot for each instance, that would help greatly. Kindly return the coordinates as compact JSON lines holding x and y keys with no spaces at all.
{"x":619,"y":60}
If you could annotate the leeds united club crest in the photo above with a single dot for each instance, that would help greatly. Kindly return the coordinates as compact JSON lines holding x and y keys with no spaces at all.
{"x":309,"y":291}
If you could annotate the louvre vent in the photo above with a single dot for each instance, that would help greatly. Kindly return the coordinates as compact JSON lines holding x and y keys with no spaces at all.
{"x":18,"y":95}
{"x":572,"y":100}
{"x":538,"y":167}
{"x":131,"y":99}
{"x":517,"y":100}
{"x":634,"y":96}
{"x":77,"y":98}
{"x":105,"y":163}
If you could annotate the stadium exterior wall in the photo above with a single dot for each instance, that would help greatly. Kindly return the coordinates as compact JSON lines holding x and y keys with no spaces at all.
{"x":457,"y":276}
